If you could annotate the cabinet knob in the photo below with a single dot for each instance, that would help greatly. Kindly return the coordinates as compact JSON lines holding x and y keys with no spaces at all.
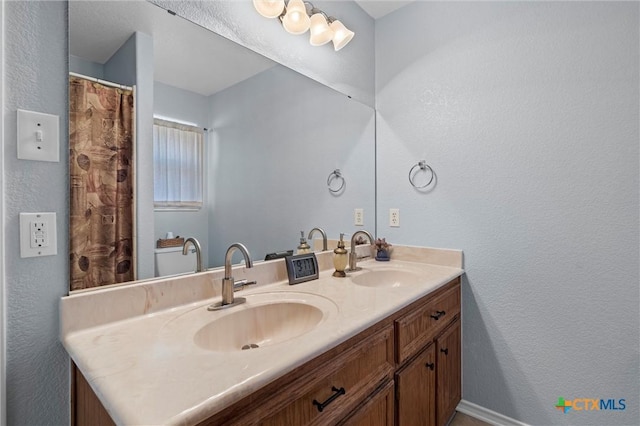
{"x":445,"y":351}
{"x":430,"y":365}
{"x":438,"y":315}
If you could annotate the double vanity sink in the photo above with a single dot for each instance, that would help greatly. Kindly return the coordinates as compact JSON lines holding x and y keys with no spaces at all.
{"x":154,"y":354}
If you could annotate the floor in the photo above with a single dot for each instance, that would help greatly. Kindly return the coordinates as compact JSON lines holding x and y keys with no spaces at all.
{"x":461,"y":419}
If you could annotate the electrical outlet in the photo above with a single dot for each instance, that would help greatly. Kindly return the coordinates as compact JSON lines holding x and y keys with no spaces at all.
{"x":394,"y":218}
{"x":38,"y":234}
{"x":358,"y":217}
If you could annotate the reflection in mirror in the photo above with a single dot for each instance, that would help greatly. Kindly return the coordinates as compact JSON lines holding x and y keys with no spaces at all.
{"x":272,"y":138}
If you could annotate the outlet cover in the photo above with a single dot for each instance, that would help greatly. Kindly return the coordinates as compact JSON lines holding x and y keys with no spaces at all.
{"x":394,"y":218}
{"x":38,"y":136}
{"x":358,"y":217}
{"x":38,"y":234}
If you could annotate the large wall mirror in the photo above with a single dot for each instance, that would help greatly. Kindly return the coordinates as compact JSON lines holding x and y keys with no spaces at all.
{"x":273,"y":136}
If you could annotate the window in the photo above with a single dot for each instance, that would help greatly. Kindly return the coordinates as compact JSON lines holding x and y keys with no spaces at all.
{"x":177,"y":165}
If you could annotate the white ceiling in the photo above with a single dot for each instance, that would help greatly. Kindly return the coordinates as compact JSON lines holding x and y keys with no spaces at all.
{"x":185,"y":55}
{"x":379,"y":8}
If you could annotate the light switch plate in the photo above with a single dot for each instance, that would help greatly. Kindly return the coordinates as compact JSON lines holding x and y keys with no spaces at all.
{"x":38,"y":234}
{"x":38,"y":136}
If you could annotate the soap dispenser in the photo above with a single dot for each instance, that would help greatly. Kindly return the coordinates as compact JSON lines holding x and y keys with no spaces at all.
{"x":340,"y":259}
{"x":304,"y":247}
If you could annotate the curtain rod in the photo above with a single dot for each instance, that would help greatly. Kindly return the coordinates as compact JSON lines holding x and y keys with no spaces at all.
{"x":103,"y":82}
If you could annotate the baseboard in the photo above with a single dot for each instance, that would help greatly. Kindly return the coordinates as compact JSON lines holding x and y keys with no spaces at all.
{"x":486,"y":415}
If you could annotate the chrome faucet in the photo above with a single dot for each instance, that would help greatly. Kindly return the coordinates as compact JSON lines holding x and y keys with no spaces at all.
{"x":196,"y":245}
{"x":228,"y":281}
{"x":353,"y":257}
{"x":324,"y":237}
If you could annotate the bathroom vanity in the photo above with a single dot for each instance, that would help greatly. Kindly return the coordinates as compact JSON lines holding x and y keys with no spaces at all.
{"x":381,"y":346}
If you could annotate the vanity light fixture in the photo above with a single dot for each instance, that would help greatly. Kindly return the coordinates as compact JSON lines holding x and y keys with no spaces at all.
{"x":269,"y":8}
{"x":341,"y":35}
{"x":319,"y":29}
{"x":298,"y":16}
{"x":295,"y":20}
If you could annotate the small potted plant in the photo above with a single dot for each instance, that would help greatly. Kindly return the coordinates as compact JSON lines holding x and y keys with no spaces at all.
{"x":382,"y":249}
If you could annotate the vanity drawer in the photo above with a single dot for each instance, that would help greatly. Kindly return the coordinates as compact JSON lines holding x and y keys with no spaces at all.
{"x":416,"y":329}
{"x":335,"y":388}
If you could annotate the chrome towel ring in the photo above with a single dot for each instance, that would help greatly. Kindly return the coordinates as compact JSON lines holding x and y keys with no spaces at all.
{"x":422,"y":165}
{"x":334,"y":178}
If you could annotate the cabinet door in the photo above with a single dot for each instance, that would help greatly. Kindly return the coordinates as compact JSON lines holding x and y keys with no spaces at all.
{"x":377,"y":411}
{"x":415,"y":387}
{"x":448,"y":348}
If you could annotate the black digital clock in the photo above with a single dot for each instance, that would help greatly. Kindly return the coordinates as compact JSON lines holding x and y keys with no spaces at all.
{"x":301,"y":268}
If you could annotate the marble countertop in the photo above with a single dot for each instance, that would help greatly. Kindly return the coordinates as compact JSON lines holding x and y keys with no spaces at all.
{"x":147,"y":369}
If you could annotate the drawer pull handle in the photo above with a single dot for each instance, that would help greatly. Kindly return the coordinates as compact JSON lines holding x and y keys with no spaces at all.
{"x":445,"y":351}
{"x":430,"y":365}
{"x":438,"y":315}
{"x":322,"y":405}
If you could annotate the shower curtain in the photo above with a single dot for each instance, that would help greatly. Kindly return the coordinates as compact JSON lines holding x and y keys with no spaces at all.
{"x":101,"y":166}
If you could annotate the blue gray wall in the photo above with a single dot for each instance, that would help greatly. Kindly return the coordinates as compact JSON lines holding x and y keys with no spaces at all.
{"x":37,"y":366}
{"x":528,"y":112}
{"x":144,"y":230}
{"x":276,"y":139}
{"x":84,"y":67}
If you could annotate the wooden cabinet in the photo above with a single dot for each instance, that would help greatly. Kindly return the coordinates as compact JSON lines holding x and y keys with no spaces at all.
{"x":404,"y":370}
{"x":415,"y":390}
{"x":428,"y":384}
{"x":419,"y":327}
{"x":448,"y":381}
{"x":377,"y":410}
{"x":331,"y":391}
{"x":86,"y":407}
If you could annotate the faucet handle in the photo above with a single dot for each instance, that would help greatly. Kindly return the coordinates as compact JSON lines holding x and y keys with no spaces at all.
{"x":241,"y":284}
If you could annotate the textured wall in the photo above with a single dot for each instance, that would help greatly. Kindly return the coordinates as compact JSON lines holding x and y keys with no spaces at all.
{"x":35,"y":79}
{"x":528,"y":112}
{"x":350,"y":70}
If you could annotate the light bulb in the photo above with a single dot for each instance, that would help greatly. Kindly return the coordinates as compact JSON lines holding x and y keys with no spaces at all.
{"x":296,"y":20}
{"x":269,"y":8}
{"x":320,"y":31}
{"x":341,"y":35}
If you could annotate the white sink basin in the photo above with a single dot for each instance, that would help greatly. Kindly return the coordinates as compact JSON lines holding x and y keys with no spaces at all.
{"x":265,"y":319}
{"x":386,"y":278}
{"x":258,"y":326}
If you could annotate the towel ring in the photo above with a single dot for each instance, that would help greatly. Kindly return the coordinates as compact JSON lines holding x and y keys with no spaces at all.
{"x":335,"y":175}
{"x":422,"y":165}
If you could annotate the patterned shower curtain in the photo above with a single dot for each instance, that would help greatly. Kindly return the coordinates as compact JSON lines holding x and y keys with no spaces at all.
{"x":101,"y":165}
